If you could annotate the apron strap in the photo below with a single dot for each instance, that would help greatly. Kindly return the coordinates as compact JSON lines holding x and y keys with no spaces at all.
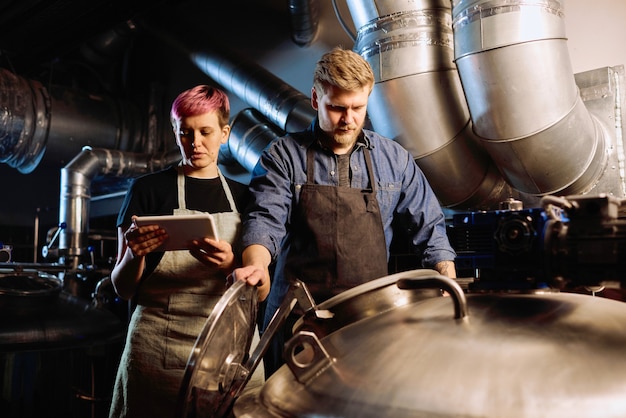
{"x":181,"y":189}
{"x":229,"y":194}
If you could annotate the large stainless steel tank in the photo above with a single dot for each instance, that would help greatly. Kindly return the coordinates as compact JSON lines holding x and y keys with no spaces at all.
{"x":475,"y":355}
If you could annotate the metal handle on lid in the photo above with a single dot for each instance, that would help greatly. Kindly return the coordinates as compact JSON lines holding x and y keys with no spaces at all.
{"x":441,"y":282}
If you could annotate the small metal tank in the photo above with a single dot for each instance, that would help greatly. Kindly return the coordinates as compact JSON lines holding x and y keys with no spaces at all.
{"x":477,"y":355}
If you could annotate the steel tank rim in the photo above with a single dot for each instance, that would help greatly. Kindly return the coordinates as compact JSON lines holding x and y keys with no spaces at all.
{"x":527,"y":317}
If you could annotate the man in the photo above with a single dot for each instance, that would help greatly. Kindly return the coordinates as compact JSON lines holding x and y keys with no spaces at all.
{"x":326,"y":198}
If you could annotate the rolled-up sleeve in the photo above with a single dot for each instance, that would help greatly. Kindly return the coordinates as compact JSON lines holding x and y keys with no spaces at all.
{"x":408,"y":202}
{"x":427,"y":222}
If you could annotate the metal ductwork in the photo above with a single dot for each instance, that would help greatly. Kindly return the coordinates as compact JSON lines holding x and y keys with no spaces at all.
{"x":280,"y":103}
{"x":304,"y":21}
{"x":24,"y":121}
{"x":249,"y":135}
{"x":418,"y":99}
{"x":58,"y":122}
{"x":515,"y":69}
{"x":489,"y":111}
{"x":75,"y":194}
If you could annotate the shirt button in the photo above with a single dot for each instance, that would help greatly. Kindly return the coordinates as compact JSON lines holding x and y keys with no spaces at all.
{"x":332,"y":173}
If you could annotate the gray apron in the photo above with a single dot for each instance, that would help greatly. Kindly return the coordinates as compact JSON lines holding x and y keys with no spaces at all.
{"x":173,"y":304}
{"x":341,"y":242}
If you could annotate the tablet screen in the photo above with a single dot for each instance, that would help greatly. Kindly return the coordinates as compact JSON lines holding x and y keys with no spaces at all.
{"x":181,"y":229}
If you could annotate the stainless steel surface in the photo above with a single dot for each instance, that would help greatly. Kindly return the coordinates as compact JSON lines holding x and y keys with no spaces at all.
{"x":36,"y":314}
{"x":280,"y":103}
{"x":515,"y":68}
{"x":362,"y":302}
{"x":217,"y":367}
{"x":515,"y":355}
{"x":250,"y":134}
{"x":75,"y":193}
{"x":25,"y":291}
{"x":418,"y":98}
{"x":603,"y":92}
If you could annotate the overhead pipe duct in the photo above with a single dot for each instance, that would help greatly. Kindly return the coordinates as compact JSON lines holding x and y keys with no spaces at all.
{"x":250,"y":134}
{"x":278,"y":107}
{"x":515,"y":69}
{"x":75,"y":193}
{"x":279,"y":102}
{"x":304,"y":21}
{"x":58,"y":122}
{"x":109,"y":46}
{"x":418,"y":98}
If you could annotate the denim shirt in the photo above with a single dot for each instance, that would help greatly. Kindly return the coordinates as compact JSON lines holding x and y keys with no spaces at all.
{"x":402,"y":192}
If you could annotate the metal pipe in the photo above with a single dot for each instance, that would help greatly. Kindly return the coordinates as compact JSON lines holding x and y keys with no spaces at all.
{"x":250,"y":134}
{"x":75,"y":194}
{"x":24,"y":121}
{"x":279,"y":102}
{"x":304,"y":21}
{"x":515,"y":69}
{"x":58,"y":122}
{"x":418,"y":99}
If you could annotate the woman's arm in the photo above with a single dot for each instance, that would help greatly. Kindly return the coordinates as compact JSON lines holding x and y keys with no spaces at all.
{"x":133,"y":245}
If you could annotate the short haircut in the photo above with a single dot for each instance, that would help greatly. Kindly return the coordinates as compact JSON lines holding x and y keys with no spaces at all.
{"x":343,"y":68}
{"x":199,"y":100}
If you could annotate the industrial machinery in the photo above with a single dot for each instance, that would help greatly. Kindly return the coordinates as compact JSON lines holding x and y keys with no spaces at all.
{"x":576,"y":240}
{"x":513,"y":343}
{"x":483,"y":95}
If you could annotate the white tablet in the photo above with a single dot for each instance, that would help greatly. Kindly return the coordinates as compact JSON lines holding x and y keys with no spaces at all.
{"x":181,"y":229}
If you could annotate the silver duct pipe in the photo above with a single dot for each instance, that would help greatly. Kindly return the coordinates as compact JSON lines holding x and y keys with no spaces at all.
{"x":304,"y":21}
{"x":109,"y":46}
{"x":24,"y":121}
{"x":58,"y":122}
{"x":250,"y":134}
{"x":515,"y":69}
{"x":418,"y":98}
{"x":75,"y":194}
{"x":280,"y":103}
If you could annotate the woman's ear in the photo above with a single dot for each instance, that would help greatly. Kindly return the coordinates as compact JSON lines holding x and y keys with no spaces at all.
{"x":225,"y":133}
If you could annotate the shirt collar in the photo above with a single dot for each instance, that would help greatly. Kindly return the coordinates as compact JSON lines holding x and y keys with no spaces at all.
{"x":362,"y":141}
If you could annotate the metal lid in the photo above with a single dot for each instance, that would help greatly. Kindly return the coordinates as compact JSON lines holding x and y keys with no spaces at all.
{"x":512,"y":355}
{"x":217,"y":367}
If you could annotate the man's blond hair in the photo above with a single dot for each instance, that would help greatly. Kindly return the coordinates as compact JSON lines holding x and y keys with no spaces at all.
{"x":343,"y":68}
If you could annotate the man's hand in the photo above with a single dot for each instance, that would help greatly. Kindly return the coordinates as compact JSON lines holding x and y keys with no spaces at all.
{"x":254,"y":276}
{"x":255,"y":271}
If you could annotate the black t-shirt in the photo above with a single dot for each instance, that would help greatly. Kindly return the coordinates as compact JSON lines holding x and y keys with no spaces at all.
{"x":157,"y":194}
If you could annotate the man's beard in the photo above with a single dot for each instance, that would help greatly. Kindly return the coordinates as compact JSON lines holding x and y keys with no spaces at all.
{"x":347,"y":138}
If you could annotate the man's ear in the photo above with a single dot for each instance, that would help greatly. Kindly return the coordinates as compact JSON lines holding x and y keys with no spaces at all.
{"x":314,"y":98}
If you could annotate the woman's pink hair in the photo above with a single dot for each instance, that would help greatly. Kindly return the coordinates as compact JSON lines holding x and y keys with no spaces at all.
{"x":198,"y":100}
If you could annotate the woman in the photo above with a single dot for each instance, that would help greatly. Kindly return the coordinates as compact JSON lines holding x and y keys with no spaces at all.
{"x":174,"y":290}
